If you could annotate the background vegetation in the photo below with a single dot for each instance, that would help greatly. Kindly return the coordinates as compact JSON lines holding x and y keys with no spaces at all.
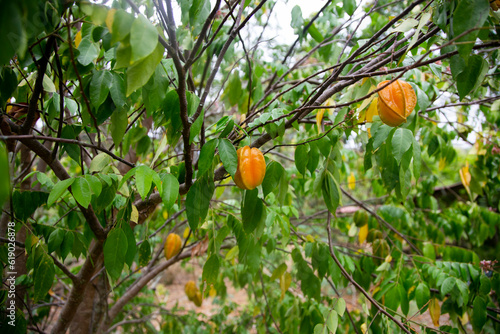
{"x":120,"y":123}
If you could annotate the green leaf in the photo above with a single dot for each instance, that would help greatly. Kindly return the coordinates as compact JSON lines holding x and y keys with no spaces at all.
{"x":331,"y":192}
{"x":301,"y":158}
{"x":448,"y":285}
{"x":115,"y":250}
{"x":81,"y":191}
{"x":55,"y":240}
{"x":274,"y":173}
{"x":417,"y":161}
{"x":228,"y":156}
{"x":349,"y":6}
{"x":206,"y":157}
{"x":211,"y":269}
{"x":422,"y":296}
{"x":315,"y":34}
{"x":139,"y":73}
{"x":196,"y":126}
{"x":252,"y":211}
{"x":88,"y":52}
{"x":479,"y":314}
{"x":118,"y":126}
{"x":117,"y":90}
{"x":401,"y":142}
{"x":333,"y":321}
{"x":143,"y":38}
{"x":144,"y":253}
{"x":59,"y":188}
{"x":4,"y":176}
{"x":380,"y":134}
{"x":122,"y":23}
{"x":43,"y":275}
{"x":340,"y":306}
{"x":143,"y":180}
{"x":99,"y":87}
{"x":170,"y":190}
{"x":469,"y":14}
{"x":131,"y":244}
{"x":429,"y":250}
{"x":67,"y":244}
{"x":278,"y":272}
{"x":100,"y":161}
{"x":485,"y":286}
{"x":198,"y":201}
{"x":472,"y":76}
{"x":392,"y":298}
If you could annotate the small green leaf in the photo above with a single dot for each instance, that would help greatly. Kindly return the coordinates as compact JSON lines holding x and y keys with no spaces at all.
{"x":211,"y":269}
{"x":115,"y":250}
{"x":253,"y":211}
{"x":55,"y":240}
{"x":331,"y":192}
{"x":88,"y":52}
{"x":448,"y":285}
{"x":117,"y":90}
{"x":340,"y":306}
{"x":278,"y":272}
{"x":274,"y":173}
{"x":472,"y":76}
{"x":422,"y":296}
{"x":170,"y":190}
{"x":143,"y":180}
{"x":118,"y":126}
{"x":479,"y":314}
{"x":122,"y":23}
{"x":139,"y":73}
{"x":131,"y":244}
{"x":333,"y":321}
{"x":196,"y":126}
{"x":99,"y":162}
{"x":43,"y":275}
{"x":198,"y":201}
{"x":401,"y":142}
{"x":59,"y":188}
{"x":301,"y":158}
{"x":99,"y":87}
{"x":206,"y":156}
{"x":143,"y":38}
{"x":81,"y":191}
{"x":228,"y":156}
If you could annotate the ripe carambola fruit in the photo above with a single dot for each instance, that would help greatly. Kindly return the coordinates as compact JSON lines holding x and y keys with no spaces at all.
{"x":251,"y":168}
{"x":396,"y":102}
{"x":173,"y":245}
{"x":190,"y":289}
{"x":193,"y":293}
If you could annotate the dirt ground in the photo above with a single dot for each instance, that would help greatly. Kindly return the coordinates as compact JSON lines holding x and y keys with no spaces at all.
{"x":174,"y":279}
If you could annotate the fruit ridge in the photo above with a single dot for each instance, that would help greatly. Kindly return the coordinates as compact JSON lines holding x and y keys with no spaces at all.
{"x":396,"y":102}
{"x":173,"y":245}
{"x":251,"y":168}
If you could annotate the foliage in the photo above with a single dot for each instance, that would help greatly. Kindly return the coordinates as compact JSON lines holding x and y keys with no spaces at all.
{"x":120,"y":125}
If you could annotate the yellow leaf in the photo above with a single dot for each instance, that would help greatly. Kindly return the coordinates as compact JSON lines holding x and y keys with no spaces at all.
{"x":372,"y":110}
{"x":369,"y":133}
{"x":435,"y":311}
{"x":364,"y":328}
{"x":165,"y":214}
{"x":285,"y":281}
{"x":442,"y":163}
{"x":464,"y":318}
{"x":351,"y":181}
{"x":310,"y":238}
{"x":78,"y":38}
{"x":134,"y":216}
{"x":363,"y":233}
{"x":212,"y":292}
{"x":388,"y":259}
{"x":319,"y":118}
{"x":110,"y":18}
{"x":186,"y":233}
{"x":465,"y":176}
